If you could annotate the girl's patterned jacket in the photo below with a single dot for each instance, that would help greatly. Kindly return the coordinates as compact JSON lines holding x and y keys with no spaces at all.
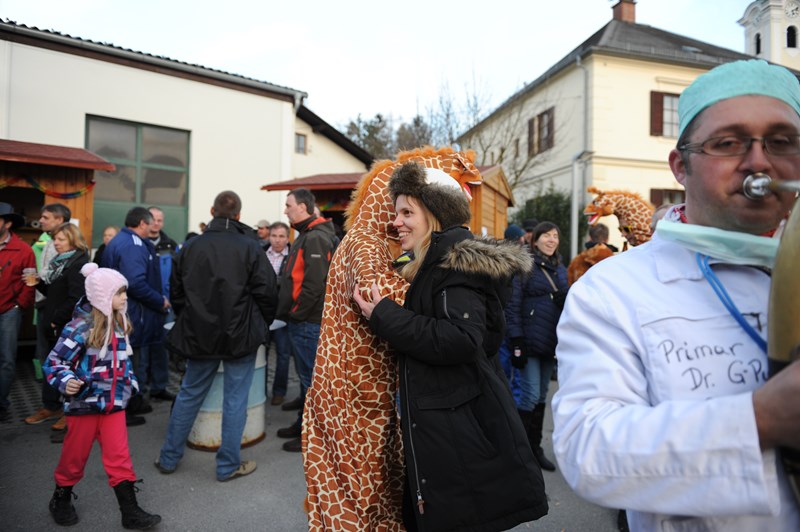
{"x":107,"y":378}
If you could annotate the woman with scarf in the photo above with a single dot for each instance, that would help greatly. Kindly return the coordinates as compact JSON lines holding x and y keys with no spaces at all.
{"x":63,"y":285}
{"x":532,"y":315}
{"x":467,"y":460}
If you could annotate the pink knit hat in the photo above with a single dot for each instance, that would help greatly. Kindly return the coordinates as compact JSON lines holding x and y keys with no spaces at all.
{"x":101,"y":286}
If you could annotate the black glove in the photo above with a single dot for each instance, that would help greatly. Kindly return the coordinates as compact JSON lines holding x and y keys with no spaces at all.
{"x":518,"y":355}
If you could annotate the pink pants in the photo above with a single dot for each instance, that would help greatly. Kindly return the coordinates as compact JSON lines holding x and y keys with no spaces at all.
{"x":111,"y":433}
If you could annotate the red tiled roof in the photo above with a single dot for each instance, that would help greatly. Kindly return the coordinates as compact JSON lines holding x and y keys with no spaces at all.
{"x":29,"y":152}
{"x":347,"y":181}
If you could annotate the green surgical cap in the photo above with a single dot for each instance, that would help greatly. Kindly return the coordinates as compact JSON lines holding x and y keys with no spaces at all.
{"x":739,"y":78}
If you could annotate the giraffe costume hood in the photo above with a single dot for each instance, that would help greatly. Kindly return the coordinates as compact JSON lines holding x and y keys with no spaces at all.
{"x":632,"y":211}
{"x":352,"y":445}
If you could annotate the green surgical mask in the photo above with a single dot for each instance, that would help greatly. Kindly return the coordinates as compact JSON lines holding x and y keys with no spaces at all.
{"x":727,"y":246}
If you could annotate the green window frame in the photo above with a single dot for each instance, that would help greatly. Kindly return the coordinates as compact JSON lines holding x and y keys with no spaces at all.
{"x":153,"y":168}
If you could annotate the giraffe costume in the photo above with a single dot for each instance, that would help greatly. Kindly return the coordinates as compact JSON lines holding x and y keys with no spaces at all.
{"x":632,"y":211}
{"x":352,"y":446}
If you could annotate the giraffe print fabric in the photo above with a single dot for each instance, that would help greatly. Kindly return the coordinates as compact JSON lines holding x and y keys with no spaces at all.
{"x":352,"y":445}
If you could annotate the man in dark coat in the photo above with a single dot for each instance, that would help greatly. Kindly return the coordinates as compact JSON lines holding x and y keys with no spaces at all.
{"x":224,"y":294}
{"x":132,"y":254}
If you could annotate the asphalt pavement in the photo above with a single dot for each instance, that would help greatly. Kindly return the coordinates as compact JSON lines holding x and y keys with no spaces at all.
{"x":191,"y":499}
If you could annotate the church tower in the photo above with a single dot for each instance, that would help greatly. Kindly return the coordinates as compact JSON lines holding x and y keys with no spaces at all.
{"x":771,"y":30}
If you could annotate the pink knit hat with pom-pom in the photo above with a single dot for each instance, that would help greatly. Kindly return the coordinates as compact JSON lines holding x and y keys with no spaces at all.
{"x":101,"y":286}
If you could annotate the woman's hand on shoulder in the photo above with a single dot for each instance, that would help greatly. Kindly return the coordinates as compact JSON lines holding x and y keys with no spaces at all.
{"x":368,"y":306}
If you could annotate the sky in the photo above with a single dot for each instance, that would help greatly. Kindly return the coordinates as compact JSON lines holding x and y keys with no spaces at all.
{"x":362,"y":57}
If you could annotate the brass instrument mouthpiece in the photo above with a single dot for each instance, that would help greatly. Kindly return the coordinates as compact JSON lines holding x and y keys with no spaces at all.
{"x":759,"y":185}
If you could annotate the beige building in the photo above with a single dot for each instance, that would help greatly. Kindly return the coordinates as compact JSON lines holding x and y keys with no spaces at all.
{"x":605,"y":115}
{"x":177,"y":133}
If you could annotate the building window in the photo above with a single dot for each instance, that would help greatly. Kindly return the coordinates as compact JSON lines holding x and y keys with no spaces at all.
{"x":300,"y":143}
{"x":758,"y":44}
{"x":516,"y":148}
{"x":541,"y":132}
{"x":664,"y":114}
{"x":791,"y":37}
{"x":152,"y":169}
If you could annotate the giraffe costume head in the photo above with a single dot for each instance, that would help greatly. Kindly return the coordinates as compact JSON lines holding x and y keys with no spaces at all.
{"x":632,"y":211}
{"x":352,"y":446}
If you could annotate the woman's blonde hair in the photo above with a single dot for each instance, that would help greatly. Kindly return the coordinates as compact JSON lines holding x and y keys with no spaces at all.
{"x":409,"y":271}
{"x":73,"y":234}
{"x":97,"y":334}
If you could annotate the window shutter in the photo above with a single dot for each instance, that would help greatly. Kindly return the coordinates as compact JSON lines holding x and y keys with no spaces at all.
{"x":656,"y":113}
{"x":656,"y":196}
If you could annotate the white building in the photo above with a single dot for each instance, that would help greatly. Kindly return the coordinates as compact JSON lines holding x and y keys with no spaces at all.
{"x":605,"y":115}
{"x":177,"y":133}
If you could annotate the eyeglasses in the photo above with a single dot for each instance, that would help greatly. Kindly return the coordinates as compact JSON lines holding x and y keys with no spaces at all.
{"x":733,"y":145}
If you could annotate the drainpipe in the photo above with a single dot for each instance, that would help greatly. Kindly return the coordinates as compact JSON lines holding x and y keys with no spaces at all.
{"x":578,"y":165}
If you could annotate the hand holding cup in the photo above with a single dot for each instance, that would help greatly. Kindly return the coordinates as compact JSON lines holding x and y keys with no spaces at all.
{"x":30,"y":276}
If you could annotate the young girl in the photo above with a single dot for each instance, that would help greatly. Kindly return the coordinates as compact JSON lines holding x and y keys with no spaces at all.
{"x":90,"y":366}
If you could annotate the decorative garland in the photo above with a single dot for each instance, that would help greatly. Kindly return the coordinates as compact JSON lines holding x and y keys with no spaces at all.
{"x":52,"y":193}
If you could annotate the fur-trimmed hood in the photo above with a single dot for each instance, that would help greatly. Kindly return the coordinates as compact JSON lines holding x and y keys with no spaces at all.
{"x":489,"y":257}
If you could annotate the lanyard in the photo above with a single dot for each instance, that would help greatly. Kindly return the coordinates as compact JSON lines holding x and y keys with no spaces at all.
{"x":725,"y":298}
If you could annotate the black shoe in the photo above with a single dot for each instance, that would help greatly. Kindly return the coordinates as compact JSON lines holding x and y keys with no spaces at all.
{"x":163,"y":395}
{"x":134,"y":421}
{"x":133,"y":517}
{"x":293,"y":446}
{"x":161,"y":469}
{"x":544,"y":463}
{"x":291,"y":432}
{"x":295,"y":404}
{"x":61,"y":507}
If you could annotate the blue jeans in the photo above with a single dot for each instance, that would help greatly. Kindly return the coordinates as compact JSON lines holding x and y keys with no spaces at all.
{"x":512,"y":374}
{"x":535,"y":382}
{"x":151,"y":365}
{"x":238,"y":376}
{"x":304,"y":337}
{"x":10,"y":321}
{"x":280,"y":337}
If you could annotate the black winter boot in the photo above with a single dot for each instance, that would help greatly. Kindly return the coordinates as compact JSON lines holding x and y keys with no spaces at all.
{"x":61,"y":507}
{"x":133,"y":517}
{"x":535,"y":435}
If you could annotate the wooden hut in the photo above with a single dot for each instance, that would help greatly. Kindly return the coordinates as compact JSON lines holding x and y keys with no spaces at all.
{"x":32,"y":175}
{"x":490,"y":200}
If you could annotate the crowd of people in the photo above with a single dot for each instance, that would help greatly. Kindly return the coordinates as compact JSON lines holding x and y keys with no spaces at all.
{"x":665,"y":407}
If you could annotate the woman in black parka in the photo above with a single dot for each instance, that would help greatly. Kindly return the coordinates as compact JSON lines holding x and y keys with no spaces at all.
{"x":468,"y":462}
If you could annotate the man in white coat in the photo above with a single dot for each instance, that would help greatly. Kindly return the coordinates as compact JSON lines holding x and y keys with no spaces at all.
{"x":664,"y":407}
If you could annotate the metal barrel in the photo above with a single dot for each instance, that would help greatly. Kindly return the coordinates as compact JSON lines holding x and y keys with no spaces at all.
{"x":784,"y":322}
{"x":206,"y":433}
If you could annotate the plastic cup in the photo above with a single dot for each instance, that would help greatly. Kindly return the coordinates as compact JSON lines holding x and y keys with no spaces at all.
{"x":30,"y":276}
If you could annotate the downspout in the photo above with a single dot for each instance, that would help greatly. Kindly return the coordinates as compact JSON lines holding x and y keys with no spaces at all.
{"x":578,"y":165}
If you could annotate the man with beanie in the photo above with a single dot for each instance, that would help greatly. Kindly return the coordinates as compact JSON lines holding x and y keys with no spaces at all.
{"x":664,"y":407}
{"x":302,"y":295}
{"x":15,"y":297}
{"x":224,"y":294}
{"x":133,"y":255}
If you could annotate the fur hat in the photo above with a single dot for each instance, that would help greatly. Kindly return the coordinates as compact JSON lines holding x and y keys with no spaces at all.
{"x":101,"y":286}
{"x":439,"y":192}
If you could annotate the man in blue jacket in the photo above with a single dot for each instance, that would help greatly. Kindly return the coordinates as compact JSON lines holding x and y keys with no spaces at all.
{"x":132,"y":254}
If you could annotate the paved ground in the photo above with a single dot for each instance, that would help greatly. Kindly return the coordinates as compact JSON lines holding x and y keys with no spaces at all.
{"x":191,"y":499}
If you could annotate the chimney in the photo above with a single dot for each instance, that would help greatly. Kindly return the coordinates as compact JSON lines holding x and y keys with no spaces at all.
{"x":625,"y":11}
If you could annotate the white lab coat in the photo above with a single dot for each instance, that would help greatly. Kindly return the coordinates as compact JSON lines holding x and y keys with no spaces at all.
{"x":654,"y":410}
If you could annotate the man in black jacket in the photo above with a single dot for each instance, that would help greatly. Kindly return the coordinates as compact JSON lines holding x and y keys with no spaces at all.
{"x":224,"y":294}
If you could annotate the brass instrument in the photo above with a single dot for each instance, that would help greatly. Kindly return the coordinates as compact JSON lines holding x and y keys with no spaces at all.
{"x":783,"y":331}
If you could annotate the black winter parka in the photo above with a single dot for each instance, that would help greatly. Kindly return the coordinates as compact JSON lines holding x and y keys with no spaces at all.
{"x":224,"y":293}
{"x":468,"y":460}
